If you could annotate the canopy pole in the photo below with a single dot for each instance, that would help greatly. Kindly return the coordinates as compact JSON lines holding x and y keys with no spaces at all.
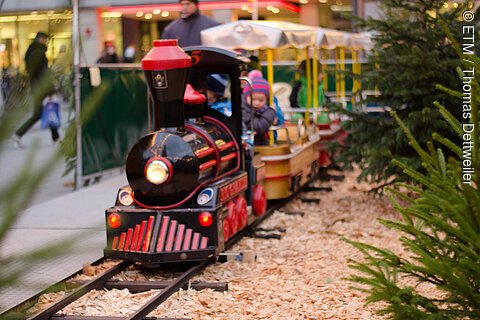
{"x":337,"y":74}
{"x":354,"y":76}
{"x":315,"y":78}
{"x":76,"y":87}
{"x":309,"y":87}
{"x":270,"y":74}
{"x":342,"y":75}
{"x":297,"y":61}
{"x":324,"y":70}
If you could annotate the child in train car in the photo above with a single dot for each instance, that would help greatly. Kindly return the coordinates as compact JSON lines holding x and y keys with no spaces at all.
{"x":263,"y":114}
{"x":215,"y":91}
{"x":279,"y":117}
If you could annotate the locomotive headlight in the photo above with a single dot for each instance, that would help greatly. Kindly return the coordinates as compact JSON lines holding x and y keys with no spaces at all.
{"x":157,"y":171}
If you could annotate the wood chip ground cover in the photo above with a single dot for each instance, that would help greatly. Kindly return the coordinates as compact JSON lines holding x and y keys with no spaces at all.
{"x":300,"y":276}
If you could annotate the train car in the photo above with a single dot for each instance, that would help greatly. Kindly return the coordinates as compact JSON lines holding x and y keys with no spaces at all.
{"x":290,"y":161}
{"x":193,"y":182}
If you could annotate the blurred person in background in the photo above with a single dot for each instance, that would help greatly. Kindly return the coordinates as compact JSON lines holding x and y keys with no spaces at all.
{"x":187,"y":28}
{"x":129,"y":54}
{"x":109,"y":54}
{"x":41,"y":82}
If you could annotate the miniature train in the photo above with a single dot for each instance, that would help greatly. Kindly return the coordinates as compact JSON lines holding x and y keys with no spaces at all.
{"x":194,"y":182}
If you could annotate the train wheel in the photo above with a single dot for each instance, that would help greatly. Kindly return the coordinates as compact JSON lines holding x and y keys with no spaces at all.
{"x":259,"y":200}
{"x":241,"y":209}
{"x":226,"y":230}
{"x":232,"y":217}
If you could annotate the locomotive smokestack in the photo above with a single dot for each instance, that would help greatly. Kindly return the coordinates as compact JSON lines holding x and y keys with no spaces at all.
{"x":166,"y":67}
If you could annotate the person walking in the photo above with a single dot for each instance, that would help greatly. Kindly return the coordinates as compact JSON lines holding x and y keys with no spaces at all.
{"x":187,"y":28}
{"x":109,"y":54}
{"x":41,"y":82}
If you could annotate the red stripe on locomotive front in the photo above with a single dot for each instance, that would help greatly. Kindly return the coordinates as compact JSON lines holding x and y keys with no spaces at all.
{"x":141,"y":235}
{"x":136,"y":233}
{"x":179,"y":237}
{"x":148,"y":235}
{"x":163,"y":233}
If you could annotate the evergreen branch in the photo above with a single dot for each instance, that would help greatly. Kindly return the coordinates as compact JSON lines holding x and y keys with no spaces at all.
{"x":449,"y":144}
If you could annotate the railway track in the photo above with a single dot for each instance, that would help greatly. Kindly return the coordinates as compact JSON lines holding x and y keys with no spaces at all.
{"x":104,"y":280}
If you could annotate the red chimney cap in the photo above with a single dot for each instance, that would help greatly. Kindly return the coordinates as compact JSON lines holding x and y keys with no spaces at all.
{"x":165,"y":42}
{"x":166,"y":55}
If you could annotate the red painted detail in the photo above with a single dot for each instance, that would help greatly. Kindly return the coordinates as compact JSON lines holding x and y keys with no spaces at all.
{"x":226,"y":230}
{"x":128,"y":241}
{"x":230,"y":134}
{"x":114,"y":220}
{"x":207,"y":165}
{"x":323,"y":126}
{"x":233,"y":188}
{"x":204,"y":243}
{"x":204,"y":153}
{"x":192,"y":96}
{"x":136,"y":234}
{"x":227,"y":145}
{"x":259,"y":200}
{"x":141,"y":235}
{"x":232,"y":217}
{"x":242,"y":213}
{"x":167,"y":163}
{"x":179,"y":237}
{"x":229,"y":157}
{"x":166,"y":55}
{"x":196,"y":241}
{"x":121,"y":244}
{"x":115,"y":243}
{"x":279,"y":177}
{"x":148,"y":234}
{"x":205,"y":219}
{"x":171,"y":235}
{"x":163,"y":233}
{"x":324,"y":159}
{"x":210,"y":142}
{"x":188,"y":239}
{"x":213,"y":5}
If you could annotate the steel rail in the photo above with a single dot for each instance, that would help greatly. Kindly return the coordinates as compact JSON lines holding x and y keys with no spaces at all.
{"x":96,"y":283}
{"x":168,"y":291}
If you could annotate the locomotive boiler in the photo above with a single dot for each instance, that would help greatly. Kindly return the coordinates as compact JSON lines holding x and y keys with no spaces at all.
{"x":189,"y":186}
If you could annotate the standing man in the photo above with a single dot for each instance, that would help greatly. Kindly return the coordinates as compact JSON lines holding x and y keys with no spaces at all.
{"x":187,"y":28}
{"x":41,"y":82}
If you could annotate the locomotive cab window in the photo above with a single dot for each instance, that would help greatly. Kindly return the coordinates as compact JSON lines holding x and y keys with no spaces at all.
{"x":217,"y":91}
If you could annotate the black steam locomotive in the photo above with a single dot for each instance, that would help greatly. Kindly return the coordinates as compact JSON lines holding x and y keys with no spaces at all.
{"x":191,"y":187}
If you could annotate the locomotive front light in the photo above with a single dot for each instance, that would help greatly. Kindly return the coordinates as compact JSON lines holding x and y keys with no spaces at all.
{"x":205,"y":219}
{"x":125,"y":196}
{"x":114,"y":220}
{"x":158,"y":171}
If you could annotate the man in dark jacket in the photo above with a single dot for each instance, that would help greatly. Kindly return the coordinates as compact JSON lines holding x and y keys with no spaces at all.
{"x":41,"y":82}
{"x":187,"y":28}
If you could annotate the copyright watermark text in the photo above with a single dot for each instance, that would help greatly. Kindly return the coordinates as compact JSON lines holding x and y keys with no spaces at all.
{"x":468,"y":74}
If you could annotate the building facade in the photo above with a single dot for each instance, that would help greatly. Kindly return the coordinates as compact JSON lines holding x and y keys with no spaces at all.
{"x":137,"y":22}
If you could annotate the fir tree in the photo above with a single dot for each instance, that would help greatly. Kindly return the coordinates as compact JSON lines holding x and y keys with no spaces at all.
{"x":440,"y":227}
{"x":411,"y":55}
